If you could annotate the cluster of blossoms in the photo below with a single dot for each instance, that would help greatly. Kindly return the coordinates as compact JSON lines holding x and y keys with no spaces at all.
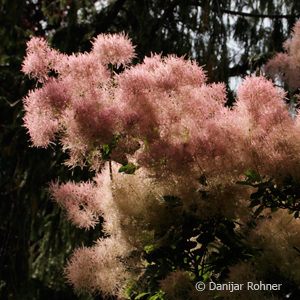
{"x":162,"y":117}
{"x":286,"y":66}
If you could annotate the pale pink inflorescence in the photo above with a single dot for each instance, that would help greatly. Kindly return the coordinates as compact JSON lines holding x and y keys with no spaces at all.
{"x":166,"y":103}
{"x":114,"y":49}
{"x":279,"y":237}
{"x":162,"y":116}
{"x":269,"y":133}
{"x":286,"y":66}
{"x":40,"y":59}
{"x":79,"y":201}
{"x":43,"y":108}
{"x":98,"y":266}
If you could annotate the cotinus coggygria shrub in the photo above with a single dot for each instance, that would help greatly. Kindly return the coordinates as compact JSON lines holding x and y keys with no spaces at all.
{"x":167,"y":154}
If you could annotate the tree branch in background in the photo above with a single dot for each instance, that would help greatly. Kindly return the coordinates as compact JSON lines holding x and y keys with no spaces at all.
{"x":253,"y":15}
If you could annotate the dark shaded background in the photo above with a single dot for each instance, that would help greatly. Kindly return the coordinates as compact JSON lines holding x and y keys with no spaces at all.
{"x":35,"y":237}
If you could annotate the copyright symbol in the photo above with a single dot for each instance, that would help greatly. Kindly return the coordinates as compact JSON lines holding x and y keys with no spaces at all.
{"x":200,"y":286}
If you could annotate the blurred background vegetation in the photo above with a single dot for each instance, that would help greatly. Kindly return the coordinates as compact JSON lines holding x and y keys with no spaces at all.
{"x":230,"y":38}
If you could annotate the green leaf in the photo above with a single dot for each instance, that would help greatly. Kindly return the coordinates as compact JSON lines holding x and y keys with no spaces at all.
{"x":141,"y":296}
{"x":274,"y":209}
{"x":258,"y":211}
{"x":254,"y":203}
{"x":296,"y":215}
{"x":253,"y":176}
{"x":105,"y":151}
{"x":149,"y":248}
{"x":158,"y":296}
{"x":257,"y":194}
{"x":128,"y":168}
{"x":243,"y":182}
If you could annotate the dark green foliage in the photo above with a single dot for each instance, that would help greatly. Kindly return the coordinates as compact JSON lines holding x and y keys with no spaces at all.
{"x":269,"y":194}
{"x":128,"y":168}
{"x":285,"y":195}
{"x":204,"y":248}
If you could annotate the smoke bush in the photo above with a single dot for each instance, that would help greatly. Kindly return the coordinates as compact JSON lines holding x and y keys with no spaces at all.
{"x":286,"y":66}
{"x":164,"y":146}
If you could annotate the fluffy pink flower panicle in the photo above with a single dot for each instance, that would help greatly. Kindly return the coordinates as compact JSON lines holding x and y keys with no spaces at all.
{"x":162,"y":116}
{"x":78,"y":104}
{"x":286,"y":66}
{"x":269,"y":138}
{"x":84,"y":72}
{"x":79,"y":202}
{"x":114,"y":49}
{"x":166,"y":102}
{"x":43,"y":107}
{"x":40,"y":59}
{"x":98,"y":266}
